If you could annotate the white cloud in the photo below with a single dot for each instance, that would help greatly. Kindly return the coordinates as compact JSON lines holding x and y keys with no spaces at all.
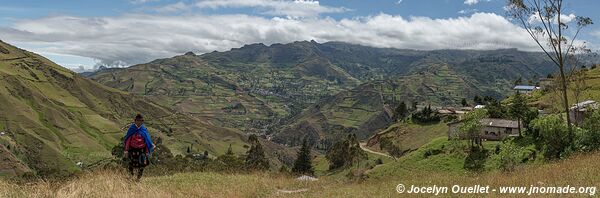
{"x":289,"y":8}
{"x":563,"y":18}
{"x":179,"y":6}
{"x":399,"y":2}
{"x":132,"y":39}
{"x":473,"y":2}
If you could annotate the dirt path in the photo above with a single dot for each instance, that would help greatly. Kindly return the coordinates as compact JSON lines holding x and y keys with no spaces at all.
{"x":363,"y":146}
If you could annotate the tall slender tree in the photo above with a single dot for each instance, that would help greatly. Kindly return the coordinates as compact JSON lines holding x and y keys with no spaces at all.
{"x":471,"y":127}
{"x":518,"y":109}
{"x":255,"y":158}
{"x":303,"y":163}
{"x":401,"y":111}
{"x":544,"y":21}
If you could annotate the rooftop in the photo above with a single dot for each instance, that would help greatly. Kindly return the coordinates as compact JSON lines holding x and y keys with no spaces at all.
{"x":493,"y":122}
{"x":585,"y":104}
{"x":524,"y":87}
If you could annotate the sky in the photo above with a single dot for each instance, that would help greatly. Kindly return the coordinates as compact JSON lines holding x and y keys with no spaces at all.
{"x":89,"y":33}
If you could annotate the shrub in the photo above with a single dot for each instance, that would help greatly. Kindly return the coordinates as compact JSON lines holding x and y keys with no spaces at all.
{"x":431,"y":152}
{"x":509,"y":156}
{"x":553,"y":133}
{"x":390,"y":147}
{"x":588,"y":138}
{"x":378,"y":161}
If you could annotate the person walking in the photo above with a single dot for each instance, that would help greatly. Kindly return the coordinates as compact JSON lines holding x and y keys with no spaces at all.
{"x":138,"y":146}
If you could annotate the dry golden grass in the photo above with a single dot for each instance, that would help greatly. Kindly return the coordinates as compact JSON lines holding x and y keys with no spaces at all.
{"x":581,"y":170}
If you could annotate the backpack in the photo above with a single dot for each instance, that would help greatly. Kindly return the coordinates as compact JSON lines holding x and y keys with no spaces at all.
{"x":137,"y":141}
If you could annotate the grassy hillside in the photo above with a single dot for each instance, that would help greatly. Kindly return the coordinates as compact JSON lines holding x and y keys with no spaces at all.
{"x":409,"y":136}
{"x":576,"y":171}
{"x":590,"y":91}
{"x":308,"y":88}
{"x":52,"y":118}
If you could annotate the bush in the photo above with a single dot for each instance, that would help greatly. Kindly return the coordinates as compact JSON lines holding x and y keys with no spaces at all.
{"x":431,"y":152}
{"x":553,"y":134}
{"x":588,"y":138}
{"x":509,"y":156}
{"x":475,"y":161}
{"x":390,"y":147}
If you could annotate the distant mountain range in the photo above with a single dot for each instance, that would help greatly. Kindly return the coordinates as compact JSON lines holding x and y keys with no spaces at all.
{"x":323,"y":90}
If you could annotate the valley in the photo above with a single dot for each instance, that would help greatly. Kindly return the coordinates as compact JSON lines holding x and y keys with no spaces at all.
{"x":321,"y":90}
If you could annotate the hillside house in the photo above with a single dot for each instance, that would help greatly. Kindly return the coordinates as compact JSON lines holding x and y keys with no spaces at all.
{"x":493,"y":129}
{"x":525,"y":89}
{"x":577,"y":112}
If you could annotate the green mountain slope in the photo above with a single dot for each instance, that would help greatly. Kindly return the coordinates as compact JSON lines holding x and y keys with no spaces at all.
{"x":52,"y":118}
{"x":282,"y":87}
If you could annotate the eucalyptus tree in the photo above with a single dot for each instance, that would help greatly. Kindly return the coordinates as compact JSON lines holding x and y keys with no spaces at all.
{"x":550,"y":28}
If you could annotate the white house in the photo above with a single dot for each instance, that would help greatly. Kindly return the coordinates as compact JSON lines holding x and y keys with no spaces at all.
{"x":525,"y":89}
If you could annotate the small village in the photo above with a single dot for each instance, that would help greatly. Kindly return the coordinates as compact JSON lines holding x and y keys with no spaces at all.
{"x":495,"y":129}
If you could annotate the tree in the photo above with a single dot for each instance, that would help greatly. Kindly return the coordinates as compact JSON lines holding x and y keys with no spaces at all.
{"x":471,"y":126}
{"x":578,"y":87}
{"x":229,"y":150}
{"x":464,"y":103}
{"x":496,"y":110}
{"x":478,"y":100}
{"x":345,"y":153}
{"x":255,"y":158}
{"x":401,"y":111}
{"x":229,"y":162}
{"x":518,"y":108}
{"x":426,"y":115}
{"x":543,"y":21}
{"x":303,"y":163}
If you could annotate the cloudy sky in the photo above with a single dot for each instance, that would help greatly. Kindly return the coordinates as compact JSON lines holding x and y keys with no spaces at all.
{"x":87,"y":33}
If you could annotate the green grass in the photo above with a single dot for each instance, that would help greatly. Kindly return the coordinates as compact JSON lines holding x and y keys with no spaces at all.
{"x":410,"y":136}
{"x":579,"y":170}
{"x":416,"y":161}
{"x":553,"y":98}
{"x":443,"y":155}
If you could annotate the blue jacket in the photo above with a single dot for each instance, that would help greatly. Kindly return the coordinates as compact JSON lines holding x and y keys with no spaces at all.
{"x":143,"y":131}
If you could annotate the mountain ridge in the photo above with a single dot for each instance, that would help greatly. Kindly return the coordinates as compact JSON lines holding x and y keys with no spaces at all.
{"x":275,"y":83}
